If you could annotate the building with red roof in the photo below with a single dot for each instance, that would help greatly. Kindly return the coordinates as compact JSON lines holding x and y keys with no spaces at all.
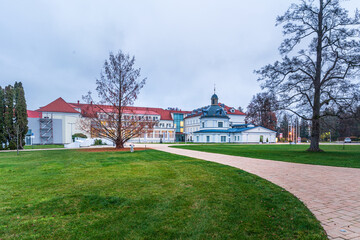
{"x":57,"y":121}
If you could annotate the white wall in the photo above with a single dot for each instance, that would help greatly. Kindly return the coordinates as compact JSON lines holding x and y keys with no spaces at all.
{"x":237,"y":119}
{"x":69,"y":123}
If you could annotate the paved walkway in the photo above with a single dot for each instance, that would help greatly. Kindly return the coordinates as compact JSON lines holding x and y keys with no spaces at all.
{"x":331,"y":193}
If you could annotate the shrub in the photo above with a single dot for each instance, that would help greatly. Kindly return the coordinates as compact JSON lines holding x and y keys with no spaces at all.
{"x":12,"y":145}
{"x":353,"y":138}
{"x":98,"y":142}
{"x":78,"y":135}
{"x":304,"y":139}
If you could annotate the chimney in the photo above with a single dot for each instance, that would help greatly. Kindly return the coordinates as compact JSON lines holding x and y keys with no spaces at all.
{"x":91,"y":103}
{"x":78,"y":102}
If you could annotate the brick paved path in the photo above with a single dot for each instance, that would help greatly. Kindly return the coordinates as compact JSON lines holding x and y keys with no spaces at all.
{"x":331,"y":193}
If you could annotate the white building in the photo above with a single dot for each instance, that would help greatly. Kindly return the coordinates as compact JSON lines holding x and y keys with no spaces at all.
{"x":192,"y":121}
{"x":56,"y":122}
{"x":215,"y":126}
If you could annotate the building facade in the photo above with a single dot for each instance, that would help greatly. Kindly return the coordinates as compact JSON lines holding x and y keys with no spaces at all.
{"x":56,"y":122}
{"x":215,"y":126}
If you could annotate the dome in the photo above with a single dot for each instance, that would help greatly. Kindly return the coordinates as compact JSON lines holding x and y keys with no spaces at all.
{"x":214,"y":111}
{"x":214,"y":96}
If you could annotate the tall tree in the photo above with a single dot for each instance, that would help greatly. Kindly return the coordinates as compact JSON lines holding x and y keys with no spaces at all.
{"x":9,"y":117}
{"x":117,"y":88}
{"x":284,"y":126}
{"x":304,"y":129}
{"x":322,"y":74}
{"x":260,"y":111}
{"x":21,"y":120}
{"x":2,"y":120}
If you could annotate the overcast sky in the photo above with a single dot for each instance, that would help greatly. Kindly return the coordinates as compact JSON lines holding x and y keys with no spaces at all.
{"x":57,"y":48}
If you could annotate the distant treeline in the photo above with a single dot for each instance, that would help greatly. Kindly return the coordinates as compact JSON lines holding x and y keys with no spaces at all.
{"x":13,"y":116}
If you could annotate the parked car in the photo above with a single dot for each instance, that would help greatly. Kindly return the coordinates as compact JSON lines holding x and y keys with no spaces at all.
{"x":347,"y":140}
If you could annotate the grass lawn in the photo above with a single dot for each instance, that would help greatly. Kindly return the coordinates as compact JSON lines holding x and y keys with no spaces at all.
{"x":143,"y":195}
{"x":333,"y":155}
{"x":43,"y":146}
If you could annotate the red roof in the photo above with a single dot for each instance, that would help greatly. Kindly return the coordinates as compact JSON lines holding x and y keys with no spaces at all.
{"x":34,"y":114}
{"x":88,"y":110}
{"x":227,"y":109}
{"x":59,"y":105}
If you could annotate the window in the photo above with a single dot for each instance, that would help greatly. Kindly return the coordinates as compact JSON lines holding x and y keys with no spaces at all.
{"x":223,"y":139}
{"x":207,"y":138}
{"x":203,"y":124}
{"x":220,"y":124}
{"x":197,"y":138}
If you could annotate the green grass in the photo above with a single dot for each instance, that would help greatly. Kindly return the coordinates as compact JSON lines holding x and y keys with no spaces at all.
{"x":333,"y":155}
{"x":43,"y":146}
{"x":143,"y":195}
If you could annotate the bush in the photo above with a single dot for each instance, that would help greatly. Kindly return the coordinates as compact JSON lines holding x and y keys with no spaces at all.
{"x":78,"y":135}
{"x":304,"y":139}
{"x":98,"y":142}
{"x":353,"y":138}
{"x":12,"y":145}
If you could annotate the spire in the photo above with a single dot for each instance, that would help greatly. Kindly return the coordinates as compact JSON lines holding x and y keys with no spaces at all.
{"x":214,"y":98}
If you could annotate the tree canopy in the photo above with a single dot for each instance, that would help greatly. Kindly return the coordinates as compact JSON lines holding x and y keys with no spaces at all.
{"x":117,"y":89}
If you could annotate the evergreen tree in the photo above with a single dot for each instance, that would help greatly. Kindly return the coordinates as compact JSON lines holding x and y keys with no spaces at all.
{"x":2,"y":119}
{"x":284,"y":126}
{"x":9,"y":117}
{"x":304,"y":129}
{"x":21,"y":121}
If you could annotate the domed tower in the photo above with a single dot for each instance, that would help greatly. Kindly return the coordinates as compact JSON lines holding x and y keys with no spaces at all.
{"x":214,"y":100}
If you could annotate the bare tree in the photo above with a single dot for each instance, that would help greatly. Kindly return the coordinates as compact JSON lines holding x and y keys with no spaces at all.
{"x":260,"y":111}
{"x":323,"y":74}
{"x":118,"y":88}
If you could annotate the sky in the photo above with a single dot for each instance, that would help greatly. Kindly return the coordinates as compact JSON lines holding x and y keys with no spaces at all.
{"x":57,"y":48}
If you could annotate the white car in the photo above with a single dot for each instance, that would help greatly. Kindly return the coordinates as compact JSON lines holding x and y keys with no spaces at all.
{"x":347,"y":140}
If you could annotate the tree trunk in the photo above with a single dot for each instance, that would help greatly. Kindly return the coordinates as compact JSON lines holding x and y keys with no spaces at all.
{"x":119,"y":144}
{"x":315,"y":136}
{"x":315,"y":132}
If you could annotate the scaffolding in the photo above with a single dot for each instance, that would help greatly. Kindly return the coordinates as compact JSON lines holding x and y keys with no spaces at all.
{"x":46,"y":130}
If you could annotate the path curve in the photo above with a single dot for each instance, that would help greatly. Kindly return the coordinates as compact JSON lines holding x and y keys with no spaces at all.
{"x":331,"y":193}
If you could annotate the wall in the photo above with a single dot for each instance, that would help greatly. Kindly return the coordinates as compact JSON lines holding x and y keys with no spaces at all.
{"x":69,"y":121}
{"x":34,"y":125}
{"x":237,"y":119}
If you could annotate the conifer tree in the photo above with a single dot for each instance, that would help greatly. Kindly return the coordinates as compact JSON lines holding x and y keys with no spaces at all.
{"x":2,"y":120}
{"x":9,"y":117}
{"x":21,"y":121}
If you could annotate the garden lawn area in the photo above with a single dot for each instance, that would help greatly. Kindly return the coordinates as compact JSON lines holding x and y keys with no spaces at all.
{"x":333,"y":155}
{"x":43,"y":146}
{"x":149,"y":194}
